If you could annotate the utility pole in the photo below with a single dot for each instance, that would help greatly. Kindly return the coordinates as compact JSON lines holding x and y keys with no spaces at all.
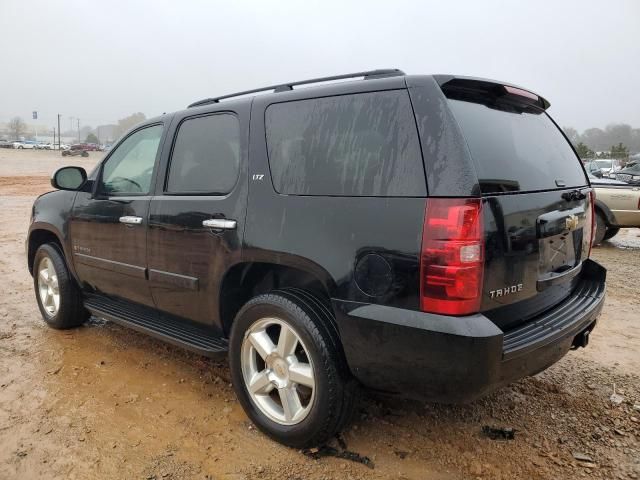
{"x":78,"y":129}
{"x":58,"y":132}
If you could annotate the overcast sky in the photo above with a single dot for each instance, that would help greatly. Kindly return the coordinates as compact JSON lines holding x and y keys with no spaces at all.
{"x":102,"y":60}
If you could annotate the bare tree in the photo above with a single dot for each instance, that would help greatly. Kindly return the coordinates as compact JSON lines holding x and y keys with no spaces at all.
{"x":126,"y":123}
{"x":17,"y":127}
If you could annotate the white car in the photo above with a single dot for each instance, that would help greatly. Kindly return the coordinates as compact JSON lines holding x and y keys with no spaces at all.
{"x":25,"y":144}
{"x":44,"y":146}
{"x":608,"y":165}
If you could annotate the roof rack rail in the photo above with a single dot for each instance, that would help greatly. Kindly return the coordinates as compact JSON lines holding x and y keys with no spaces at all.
{"x":283,"y":87}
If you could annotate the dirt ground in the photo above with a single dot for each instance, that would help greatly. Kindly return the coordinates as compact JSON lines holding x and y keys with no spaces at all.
{"x":104,"y":402}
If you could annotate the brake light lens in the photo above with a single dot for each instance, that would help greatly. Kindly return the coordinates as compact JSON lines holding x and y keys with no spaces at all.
{"x":591,"y":219}
{"x":452,"y":257}
{"x":521,"y":93}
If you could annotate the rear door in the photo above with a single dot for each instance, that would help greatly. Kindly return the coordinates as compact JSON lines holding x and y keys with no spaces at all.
{"x":196,"y":218}
{"x":536,"y":199}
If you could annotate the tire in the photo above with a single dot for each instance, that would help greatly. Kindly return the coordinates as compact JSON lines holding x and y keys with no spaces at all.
{"x":334,"y":393}
{"x":610,"y":233}
{"x":601,"y":229}
{"x":20,"y":148}
{"x":70,"y":311}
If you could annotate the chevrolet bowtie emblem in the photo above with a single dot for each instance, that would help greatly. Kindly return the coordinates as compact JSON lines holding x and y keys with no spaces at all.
{"x":571,"y":222}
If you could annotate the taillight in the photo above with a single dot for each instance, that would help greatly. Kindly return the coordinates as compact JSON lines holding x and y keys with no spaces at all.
{"x":452,"y":257}
{"x":591,"y":219}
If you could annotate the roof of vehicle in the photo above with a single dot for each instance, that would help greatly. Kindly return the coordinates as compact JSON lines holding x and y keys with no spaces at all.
{"x":470,"y":84}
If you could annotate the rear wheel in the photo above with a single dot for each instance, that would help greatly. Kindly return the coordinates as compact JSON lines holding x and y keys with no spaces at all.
{"x":288,"y":372}
{"x":610,"y":233}
{"x":601,"y":229}
{"x":58,"y":296}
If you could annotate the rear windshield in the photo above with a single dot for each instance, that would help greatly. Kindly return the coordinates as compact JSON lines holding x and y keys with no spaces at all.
{"x":517,"y":151}
{"x":364,"y":144}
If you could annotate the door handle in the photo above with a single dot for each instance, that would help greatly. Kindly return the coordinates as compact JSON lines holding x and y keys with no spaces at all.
{"x":220,"y":223}
{"x":130,"y":220}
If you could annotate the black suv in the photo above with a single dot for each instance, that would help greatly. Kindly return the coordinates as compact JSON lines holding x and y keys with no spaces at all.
{"x":423,"y":235}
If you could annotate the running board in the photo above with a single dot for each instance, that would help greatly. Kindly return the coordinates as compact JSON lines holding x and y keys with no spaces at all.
{"x":179,"y":332}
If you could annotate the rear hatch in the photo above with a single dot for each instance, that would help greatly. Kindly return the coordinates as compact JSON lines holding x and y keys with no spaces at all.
{"x":536,"y":199}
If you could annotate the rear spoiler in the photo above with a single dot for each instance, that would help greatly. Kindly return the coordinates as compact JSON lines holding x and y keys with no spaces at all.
{"x":489,"y":92}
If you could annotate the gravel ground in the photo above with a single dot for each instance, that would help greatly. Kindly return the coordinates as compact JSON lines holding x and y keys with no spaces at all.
{"x":105,"y":402}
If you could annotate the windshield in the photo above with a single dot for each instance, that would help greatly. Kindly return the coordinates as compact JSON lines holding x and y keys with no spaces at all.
{"x":603,"y":163}
{"x":515,"y":150}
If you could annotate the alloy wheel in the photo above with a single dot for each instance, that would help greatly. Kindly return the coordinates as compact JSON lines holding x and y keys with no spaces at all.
{"x":278,"y":371}
{"x":48,"y":286}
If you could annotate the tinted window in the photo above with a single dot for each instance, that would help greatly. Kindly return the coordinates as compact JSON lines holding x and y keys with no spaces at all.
{"x":360,"y":145}
{"x":129,"y":168}
{"x":206,"y":155}
{"x":516,"y":151}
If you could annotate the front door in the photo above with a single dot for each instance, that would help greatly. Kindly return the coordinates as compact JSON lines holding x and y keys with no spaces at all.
{"x":196,"y":220}
{"x":108,"y":226}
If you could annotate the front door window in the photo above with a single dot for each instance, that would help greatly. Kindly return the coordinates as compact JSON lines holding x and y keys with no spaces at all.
{"x":129,"y":169}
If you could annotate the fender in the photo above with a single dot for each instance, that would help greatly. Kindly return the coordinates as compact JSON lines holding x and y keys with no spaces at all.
{"x":609,"y":217}
{"x":256,"y":255}
{"x":52,"y":216}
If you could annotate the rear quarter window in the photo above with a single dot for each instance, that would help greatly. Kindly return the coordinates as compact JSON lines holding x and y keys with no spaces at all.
{"x":516,"y":150}
{"x":364,"y":144}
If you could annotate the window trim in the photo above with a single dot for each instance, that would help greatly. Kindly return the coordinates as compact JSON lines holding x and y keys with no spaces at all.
{"x":99,"y":193}
{"x":319,"y":97}
{"x":167,"y":170}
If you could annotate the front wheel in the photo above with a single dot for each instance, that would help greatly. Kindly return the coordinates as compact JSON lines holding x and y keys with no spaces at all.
{"x":288,"y":370}
{"x":58,"y":296}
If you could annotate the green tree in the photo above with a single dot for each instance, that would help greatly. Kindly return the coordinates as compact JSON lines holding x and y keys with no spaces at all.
{"x":619,"y":151}
{"x":584,"y":151}
{"x":91,"y":138}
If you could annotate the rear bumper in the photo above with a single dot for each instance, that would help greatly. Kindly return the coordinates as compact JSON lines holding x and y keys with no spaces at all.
{"x":457,"y":359}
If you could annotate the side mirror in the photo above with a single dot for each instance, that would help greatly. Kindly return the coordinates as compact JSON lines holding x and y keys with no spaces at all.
{"x":68,"y":178}
{"x":597,"y":173}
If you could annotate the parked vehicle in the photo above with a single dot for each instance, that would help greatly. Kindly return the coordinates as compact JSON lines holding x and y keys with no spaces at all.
{"x":607,"y":165}
{"x":44,"y":146}
{"x":74,"y":151}
{"x":24,"y":144}
{"x":418,"y":235}
{"x":629,"y":174}
{"x":617,"y":206}
{"x":6,"y":144}
{"x":90,"y":147}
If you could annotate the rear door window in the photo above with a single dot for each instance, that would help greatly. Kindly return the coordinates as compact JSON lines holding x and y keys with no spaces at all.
{"x":517,"y":150}
{"x":364,"y":144}
{"x":206,"y":156}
